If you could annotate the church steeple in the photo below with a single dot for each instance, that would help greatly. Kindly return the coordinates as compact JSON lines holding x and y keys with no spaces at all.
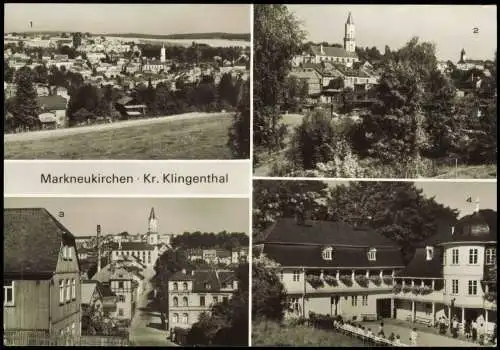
{"x":152,"y":227}
{"x":349,"y":37}
{"x":152,"y":214}
{"x":163,"y":54}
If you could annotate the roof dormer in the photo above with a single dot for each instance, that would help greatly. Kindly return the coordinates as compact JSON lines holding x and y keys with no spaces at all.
{"x":327,"y":253}
{"x":372,"y":254}
{"x":429,"y":253}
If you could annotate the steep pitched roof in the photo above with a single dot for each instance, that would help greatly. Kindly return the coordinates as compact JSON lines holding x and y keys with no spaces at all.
{"x":288,"y":231}
{"x":52,"y":103}
{"x":345,"y":257}
{"x":419,"y":266}
{"x":32,"y":242}
{"x":88,"y":288}
{"x":331,"y":51}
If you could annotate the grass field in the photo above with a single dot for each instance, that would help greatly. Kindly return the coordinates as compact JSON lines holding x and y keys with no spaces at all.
{"x":177,"y":139}
{"x":272,"y":334}
{"x":468,"y":172}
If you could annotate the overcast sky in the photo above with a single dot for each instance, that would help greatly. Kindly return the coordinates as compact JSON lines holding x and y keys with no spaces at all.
{"x":450,"y":27}
{"x":178,"y":215}
{"x":128,"y":18}
{"x":455,"y":194}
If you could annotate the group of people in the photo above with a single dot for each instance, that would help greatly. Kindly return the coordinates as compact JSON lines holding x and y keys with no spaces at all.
{"x":474,"y":330}
{"x":379,"y":335}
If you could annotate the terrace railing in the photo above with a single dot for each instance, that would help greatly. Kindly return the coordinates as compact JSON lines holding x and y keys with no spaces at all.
{"x":29,"y":339}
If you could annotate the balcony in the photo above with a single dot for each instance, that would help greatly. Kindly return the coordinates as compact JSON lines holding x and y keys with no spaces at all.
{"x":425,"y":290}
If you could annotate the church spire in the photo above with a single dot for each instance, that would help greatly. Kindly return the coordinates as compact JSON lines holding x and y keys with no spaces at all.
{"x":152,"y":215}
{"x":349,"y":19}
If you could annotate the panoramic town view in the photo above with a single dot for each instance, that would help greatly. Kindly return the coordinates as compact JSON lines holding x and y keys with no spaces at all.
{"x":375,"y":91}
{"x":80,"y":84}
{"x":125,"y":272}
{"x":374,"y":264}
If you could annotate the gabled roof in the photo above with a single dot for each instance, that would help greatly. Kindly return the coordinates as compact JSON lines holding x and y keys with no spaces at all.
{"x":52,"y":103}
{"x":288,"y":231}
{"x":32,"y":242}
{"x":331,"y":51}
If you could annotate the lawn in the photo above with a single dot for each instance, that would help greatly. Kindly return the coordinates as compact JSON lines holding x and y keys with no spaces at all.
{"x":272,"y":334}
{"x":176,"y":139}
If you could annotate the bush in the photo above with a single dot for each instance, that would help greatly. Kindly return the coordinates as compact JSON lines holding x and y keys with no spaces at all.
{"x":396,"y":289}
{"x":331,"y":280}
{"x":490,"y":296}
{"x":314,"y":280}
{"x":376,"y":280}
{"x":406,"y":289}
{"x":346,"y":279}
{"x":388,"y":280}
{"x":362,"y":280}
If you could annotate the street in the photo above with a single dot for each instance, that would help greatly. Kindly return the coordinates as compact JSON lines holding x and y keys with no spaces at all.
{"x":145,"y":326}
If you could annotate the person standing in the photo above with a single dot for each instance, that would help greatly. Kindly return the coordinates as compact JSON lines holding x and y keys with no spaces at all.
{"x":455,"y":328}
{"x":474,"y":330}
{"x":413,"y":337}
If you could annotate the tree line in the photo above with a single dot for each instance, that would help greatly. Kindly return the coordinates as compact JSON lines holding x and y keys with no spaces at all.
{"x":206,"y":240}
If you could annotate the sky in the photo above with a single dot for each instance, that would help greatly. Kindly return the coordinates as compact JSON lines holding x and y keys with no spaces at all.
{"x":128,"y":18}
{"x":455,"y":194}
{"x":115,"y":215}
{"x":450,"y":27}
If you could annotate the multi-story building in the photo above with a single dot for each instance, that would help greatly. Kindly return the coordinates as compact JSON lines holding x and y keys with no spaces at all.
{"x":451,"y":275}
{"x":42,"y":293}
{"x":332,"y":267}
{"x":195,"y":292}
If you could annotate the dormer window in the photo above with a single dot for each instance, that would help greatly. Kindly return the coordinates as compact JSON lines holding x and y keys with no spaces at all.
{"x":372,"y":254}
{"x":207,"y":286}
{"x":429,"y":253}
{"x":327,"y":253}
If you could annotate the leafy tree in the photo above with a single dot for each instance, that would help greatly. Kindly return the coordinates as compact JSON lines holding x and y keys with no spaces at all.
{"x":268,"y":293}
{"x":239,"y":132}
{"x":226,"y":89}
{"x":277,"y":38}
{"x":25,"y":109}
{"x":8,"y":72}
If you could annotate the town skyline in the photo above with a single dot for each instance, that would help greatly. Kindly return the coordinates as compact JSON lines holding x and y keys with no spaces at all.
{"x":94,"y":18}
{"x":115,"y":215}
{"x":451,"y":28}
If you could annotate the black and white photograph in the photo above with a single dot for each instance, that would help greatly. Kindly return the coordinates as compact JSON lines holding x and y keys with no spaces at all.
{"x":367,"y":263}
{"x":126,"y":81}
{"x":375,"y":91}
{"x":126,"y":271}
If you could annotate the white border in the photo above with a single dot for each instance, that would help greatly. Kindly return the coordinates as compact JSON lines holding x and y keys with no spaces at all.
{"x":250,"y":188}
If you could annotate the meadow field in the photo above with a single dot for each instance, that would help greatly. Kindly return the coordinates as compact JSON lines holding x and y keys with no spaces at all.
{"x":198,"y":137}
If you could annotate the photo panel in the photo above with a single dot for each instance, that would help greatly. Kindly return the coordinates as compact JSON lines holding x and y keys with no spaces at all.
{"x":375,"y":91}
{"x":366,"y":263}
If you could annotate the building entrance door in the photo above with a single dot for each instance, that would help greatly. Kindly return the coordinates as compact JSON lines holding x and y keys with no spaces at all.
{"x":384,"y":308}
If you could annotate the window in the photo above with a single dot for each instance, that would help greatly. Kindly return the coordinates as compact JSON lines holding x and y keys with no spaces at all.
{"x":185,"y":318}
{"x":372,"y":254}
{"x":175,"y":301}
{"x":364,"y":300}
{"x":8,"y":293}
{"x":472,"y":287}
{"x":175,"y":318}
{"x":185,"y":301}
{"x":454,"y":286}
{"x":294,"y":305}
{"x":120,"y":285}
{"x":354,"y":300}
{"x":120,"y":312}
{"x":216,"y":299}
{"x":121,"y":298}
{"x":327,"y":253}
{"x":149,"y":257}
{"x":444,"y":257}
{"x":176,"y":286}
{"x":61,"y":291}
{"x":225,"y":299}
{"x":491,"y":256}
{"x":185,"y":286}
{"x":70,"y":253}
{"x":454,"y":256}
{"x":202,"y":300}
{"x":429,"y":252}
{"x":73,"y":328}
{"x":207,"y":285}
{"x":473,"y":256}
{"x":68,"y":290}
{"x":296,"y":276}
{"x":73,"y":289}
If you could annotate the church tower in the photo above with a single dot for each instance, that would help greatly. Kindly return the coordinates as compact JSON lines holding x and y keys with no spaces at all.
{"x":163,"y":54}
{"x":349,"y":40}
{"x":152,"y":228}
{"x":463,"y":56}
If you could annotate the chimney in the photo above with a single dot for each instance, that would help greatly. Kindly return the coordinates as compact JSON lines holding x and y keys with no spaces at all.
{"x":98,"y":248}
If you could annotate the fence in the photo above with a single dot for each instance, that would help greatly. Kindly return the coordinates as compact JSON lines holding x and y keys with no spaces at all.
{"x":27,"y":339}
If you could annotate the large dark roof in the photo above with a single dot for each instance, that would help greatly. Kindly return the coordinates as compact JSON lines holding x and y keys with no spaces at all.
{"x":50,"y":103}
{"x":480,"y":226}
{"x":32,"y":242}
{"x":202,"y":278}
{"x":419,"y":266}
{"x":344,"y":257}
{"x":323,"y":233}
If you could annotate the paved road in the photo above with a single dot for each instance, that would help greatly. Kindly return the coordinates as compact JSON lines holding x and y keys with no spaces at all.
{"x":424,"y":339}
{"x":143,"y":331}
{"x":43,"y":134}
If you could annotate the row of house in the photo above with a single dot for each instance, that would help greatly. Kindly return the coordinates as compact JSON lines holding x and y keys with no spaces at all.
{"x":218,"y":256}
{"x":338,"y":269}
